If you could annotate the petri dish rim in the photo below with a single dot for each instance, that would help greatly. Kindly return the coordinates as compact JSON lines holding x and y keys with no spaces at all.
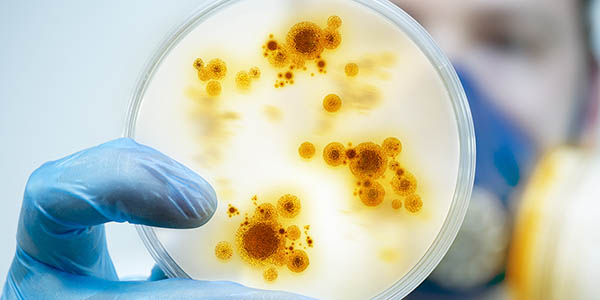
{"x":466,"y":170}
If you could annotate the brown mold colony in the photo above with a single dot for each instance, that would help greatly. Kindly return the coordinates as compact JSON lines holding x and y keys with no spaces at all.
{"x":265,"y":212}
{"x":232,"y":211}
{"x":331,"y":39}
{"x":261,"y":239}
{"x":305,"y":41}
{"x":404,"y":184}
{"x":333,"y":154}
{"x":370,"y":163}
{"x":298,"y":261}
{"x":392,"y":146}
{"x":371,"y":193}
{"x":307,"y":150}
{"x":254,"y":73}
{"x":332,"y":103}
{"x":198,"y":64}
{"x":288,"y":206}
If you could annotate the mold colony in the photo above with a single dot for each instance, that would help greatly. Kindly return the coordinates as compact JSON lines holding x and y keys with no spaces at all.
{"x":306,"y":150}
{"x":351,"y":69}
{"x":262,"y":241}
{"x":216,"y":70}
{"x":369,"y":163}
{"x":305,"y":42}
{"x":332,"y":103}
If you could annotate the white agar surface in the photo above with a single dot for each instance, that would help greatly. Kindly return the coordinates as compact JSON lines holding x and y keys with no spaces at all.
{"x":246,"y":143}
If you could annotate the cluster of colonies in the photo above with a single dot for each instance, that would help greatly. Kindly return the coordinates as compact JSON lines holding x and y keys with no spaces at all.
{"x":216,"y":70}
{"x":305,"y":41}
{"x":368,"y":163}
{"x":263,"y":241}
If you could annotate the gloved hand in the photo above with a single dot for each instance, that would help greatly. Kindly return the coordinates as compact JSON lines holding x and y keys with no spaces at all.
{"x":61,"y":245}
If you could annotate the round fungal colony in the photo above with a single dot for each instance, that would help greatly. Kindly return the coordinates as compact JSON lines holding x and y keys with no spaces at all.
{"x":370,"y":164}
{"x":266,"y":240}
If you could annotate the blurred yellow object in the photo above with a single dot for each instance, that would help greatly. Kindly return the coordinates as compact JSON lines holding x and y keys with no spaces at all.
{"x":554,"y":252}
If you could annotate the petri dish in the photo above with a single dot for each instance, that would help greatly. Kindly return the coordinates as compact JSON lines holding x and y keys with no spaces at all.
{"x":355,"y":119}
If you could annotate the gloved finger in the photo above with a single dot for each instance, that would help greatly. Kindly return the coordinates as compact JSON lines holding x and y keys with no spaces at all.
{"x":116,"y":181}
{"x":157,"y":274}
{"x":30,"y":279}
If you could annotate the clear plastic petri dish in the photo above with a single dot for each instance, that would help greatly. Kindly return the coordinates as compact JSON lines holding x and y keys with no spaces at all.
{"x":378,"y":177}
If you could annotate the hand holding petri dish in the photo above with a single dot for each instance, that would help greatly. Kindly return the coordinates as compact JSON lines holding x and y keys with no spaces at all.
{"x":335,"y":133}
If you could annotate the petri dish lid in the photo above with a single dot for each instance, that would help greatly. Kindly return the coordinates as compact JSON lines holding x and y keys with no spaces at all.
{"x":141,"y":124}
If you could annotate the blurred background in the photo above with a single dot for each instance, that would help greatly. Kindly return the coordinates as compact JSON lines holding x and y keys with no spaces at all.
{"x":529,"y":68}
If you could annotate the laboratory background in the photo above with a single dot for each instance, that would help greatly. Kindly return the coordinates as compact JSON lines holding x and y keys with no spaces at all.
{"x":529,"y":69}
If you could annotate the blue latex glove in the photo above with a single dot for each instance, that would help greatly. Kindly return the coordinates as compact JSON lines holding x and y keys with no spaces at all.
{"x":61,"y":245}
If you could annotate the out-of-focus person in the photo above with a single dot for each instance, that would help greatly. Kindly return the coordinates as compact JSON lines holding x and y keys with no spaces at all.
{"x":531,"y":79}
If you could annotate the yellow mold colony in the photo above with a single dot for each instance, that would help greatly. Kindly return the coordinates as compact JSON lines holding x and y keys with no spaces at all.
{"x":413,"y":203}
{"x":262,"y":241}
{"x":213,"y":72}
{"x":333,"y":154}
{"x":334,"y":22}
{"x":298,"y":261}
{"x":369,"y":162}
{"x":213,"y":88}
{"x":217,"y":69}
{"x":198,"y":64}
{"x":404,"y":183}
{"x":397,"y":204}
{"x":332,"y":103}
{"x":305,"y":41}
{"x":288,"y":206}
{"x":224,"y":251}
{"x":306,"y":150}
{"x":371,"y":193}
{"x":270,"y":274}
{"x":293,"y":232}
{"x":351,"y":69}
{"x":392,"y":146}
{"x":254,"y":72}
{"x":242,"y":80}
